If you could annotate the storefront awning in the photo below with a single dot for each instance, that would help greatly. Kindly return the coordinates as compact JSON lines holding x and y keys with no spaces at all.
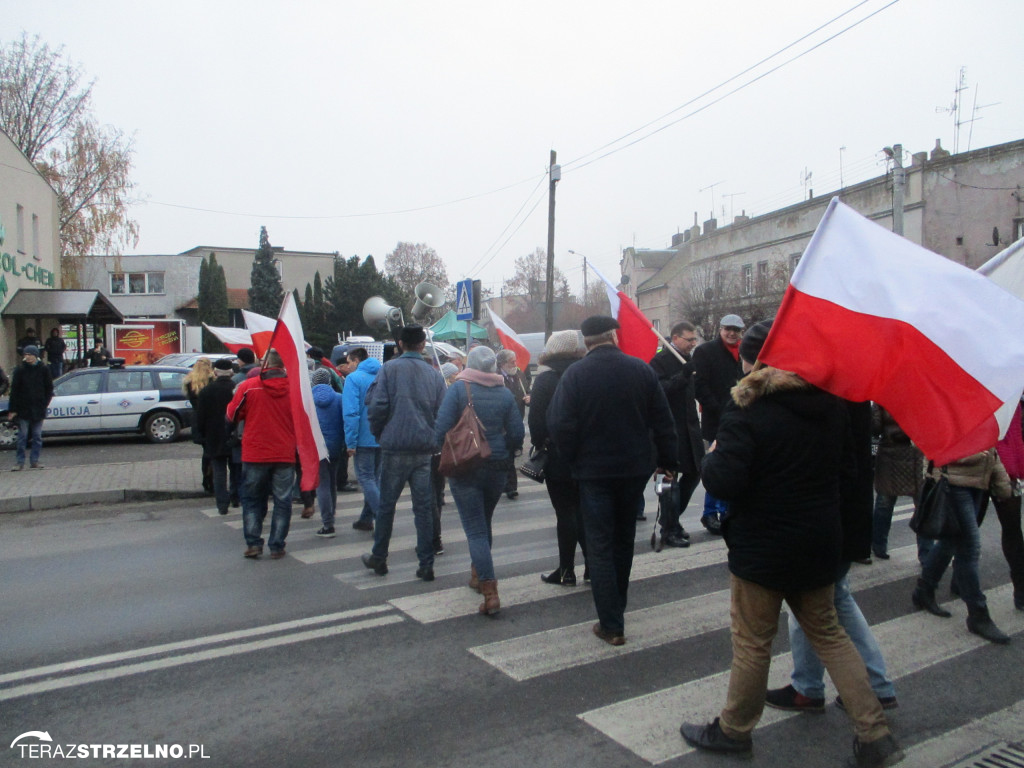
{"x":63,"y":306}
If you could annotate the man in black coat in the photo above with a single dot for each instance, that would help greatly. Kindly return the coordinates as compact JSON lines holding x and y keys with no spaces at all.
{"x":717,"y":366}
{"x":602,"y":418}
{"x":675,"y":372}
{"x":31,"y":392}
{"x":212,"y":430}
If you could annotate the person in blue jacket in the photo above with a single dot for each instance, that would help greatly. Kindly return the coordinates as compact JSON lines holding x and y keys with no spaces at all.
{"x":362,"y":446}
{"x":330,"y":413}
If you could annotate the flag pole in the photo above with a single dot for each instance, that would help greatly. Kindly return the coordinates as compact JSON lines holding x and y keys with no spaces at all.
{"x":668,"y":345}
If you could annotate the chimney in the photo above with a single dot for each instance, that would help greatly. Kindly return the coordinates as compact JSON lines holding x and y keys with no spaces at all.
{"x":710,"y":225}
{"x":938,"y":153}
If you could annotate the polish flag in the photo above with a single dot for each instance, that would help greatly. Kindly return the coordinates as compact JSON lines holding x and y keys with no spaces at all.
{"x":232,"y":338}
{"x":637,"y":336}
{"x":261,"y":328}
{"x":869,"y":315}
{"x":509,"y":340}
{"x":1006,"y":269}
{"x":288,"y":341}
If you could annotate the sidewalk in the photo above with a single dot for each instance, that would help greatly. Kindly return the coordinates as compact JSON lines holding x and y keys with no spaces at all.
{"x":107,"y":483}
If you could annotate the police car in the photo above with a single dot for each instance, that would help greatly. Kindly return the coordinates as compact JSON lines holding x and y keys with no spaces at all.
{"x":144,"y":399}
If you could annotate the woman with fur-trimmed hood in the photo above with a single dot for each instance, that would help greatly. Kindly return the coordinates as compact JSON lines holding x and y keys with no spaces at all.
{"x":777,"y":460}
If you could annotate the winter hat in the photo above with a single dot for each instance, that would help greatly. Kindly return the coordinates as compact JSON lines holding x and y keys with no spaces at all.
{"x":320,"y":376}
{"x":481,"y":359}
{"x":562,"y":343}
{"x":449,"y":369}
{"x":247,"y":356}
{"x":30,"y":349}
{"x":223,"y":367}
{"x":598,"y":324}
{"x":753,"y":340}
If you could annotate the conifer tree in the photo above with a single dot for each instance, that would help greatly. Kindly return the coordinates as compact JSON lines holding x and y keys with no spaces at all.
{"x":213,"y":301}
{"x":265,"y":291}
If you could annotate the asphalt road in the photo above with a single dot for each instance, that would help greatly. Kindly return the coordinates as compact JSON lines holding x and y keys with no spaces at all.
{"x":142,"y":624}
{"x":109,"y":449}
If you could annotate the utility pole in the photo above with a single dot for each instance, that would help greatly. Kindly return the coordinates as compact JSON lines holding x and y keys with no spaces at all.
{"x":584,"y":282}
{"x":554,"y":176}
{"x":899,"y":185}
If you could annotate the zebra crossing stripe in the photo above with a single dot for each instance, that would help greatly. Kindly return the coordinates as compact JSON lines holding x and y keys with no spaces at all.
{"x":554,"y":650}
{"x":1003,"y":726}
{"x":648,"y":725}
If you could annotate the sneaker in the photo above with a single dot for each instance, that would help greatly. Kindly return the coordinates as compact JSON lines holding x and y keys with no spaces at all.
{"x":376,"y":564}
{"x":427,"y":574}
{"x":791,"y":700}
{"x":36,"y":465}
{"x":887,"y":702}
{"x":710,"y":522}
{"x":326,"y":533}
{"x":17,"y":468}
{"x":611,"y":638}
{"x":253,"y":552}
{"x":711,"y":738}
{"x":438,"y":547}
{"x":348,"y":488}
{"x":363,"y":525}
{"x":276,"y":554}
{"x":875,"y":754}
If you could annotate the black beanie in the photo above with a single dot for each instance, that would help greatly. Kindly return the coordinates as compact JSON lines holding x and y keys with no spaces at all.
{"x":753,"y":340}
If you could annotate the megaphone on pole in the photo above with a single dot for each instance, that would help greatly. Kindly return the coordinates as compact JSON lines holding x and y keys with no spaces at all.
{"x":378,"y":313}
{"x":428,"y":297}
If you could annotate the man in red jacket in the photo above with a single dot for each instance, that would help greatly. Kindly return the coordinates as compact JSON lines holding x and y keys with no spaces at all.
{"x":268,"y":455}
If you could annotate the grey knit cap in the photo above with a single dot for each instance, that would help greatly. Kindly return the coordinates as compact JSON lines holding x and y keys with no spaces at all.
{"x":562,"y":343}
{"x":449,"y":369}
{"x":482,"y":359}
{"x":320,"y":376}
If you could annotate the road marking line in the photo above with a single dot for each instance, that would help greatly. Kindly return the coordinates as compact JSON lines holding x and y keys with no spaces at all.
{"x":155,"y":650}
{"x":969,"y":739}
{"x":648,"y":725}
{"x":113,"y":673}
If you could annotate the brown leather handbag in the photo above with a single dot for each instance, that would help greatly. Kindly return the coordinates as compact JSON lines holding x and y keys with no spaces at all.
{"x":465,"y":446}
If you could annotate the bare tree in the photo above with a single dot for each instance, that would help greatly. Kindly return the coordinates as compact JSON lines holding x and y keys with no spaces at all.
{"x":413,"y":263}
{"x":47,"y":113}
{"x":706,"y":290}
{"x":530,"y":279}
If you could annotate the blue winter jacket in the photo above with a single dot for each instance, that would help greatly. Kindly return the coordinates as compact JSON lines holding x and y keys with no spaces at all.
{"x":357,"y":425}
{"x":495,"y":407}
{"x":330,"y":413}
{"x":402,"y":407}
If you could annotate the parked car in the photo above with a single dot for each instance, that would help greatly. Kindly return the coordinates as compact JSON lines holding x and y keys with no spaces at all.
{"x":188,"y":359}
{"x":146,"y":399}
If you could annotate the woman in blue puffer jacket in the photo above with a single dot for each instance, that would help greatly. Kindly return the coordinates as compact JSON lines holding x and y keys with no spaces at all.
{"x":331,"y":414}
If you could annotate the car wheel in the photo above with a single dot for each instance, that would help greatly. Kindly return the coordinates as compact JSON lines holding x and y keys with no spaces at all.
{"x":8,"y":434}
{"x":162,"y":427}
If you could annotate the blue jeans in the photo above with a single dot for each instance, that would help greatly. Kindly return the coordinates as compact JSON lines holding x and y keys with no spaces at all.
{"x":609,"y":510}
{"x":395,"y":470}
{"x":367,"y":466}
{"x":713,"y":506}
{"x":809,"y":672}
{"x":222,"y":467}
{"x":56,"y":369}
{"x":327,"y":490}
{"x":261,"y":480}
{"x":29,"y":430}
{"x":476,"y":495}
{"x":966,"y":547}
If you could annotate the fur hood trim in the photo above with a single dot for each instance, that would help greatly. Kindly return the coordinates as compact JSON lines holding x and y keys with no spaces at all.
{"x":766,"y":381}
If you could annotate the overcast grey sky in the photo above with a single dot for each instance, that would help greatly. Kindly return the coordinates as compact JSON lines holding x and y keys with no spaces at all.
{"x":349,"y":126}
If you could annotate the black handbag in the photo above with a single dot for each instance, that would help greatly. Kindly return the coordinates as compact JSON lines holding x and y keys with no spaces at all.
{"x":935,"y":516}
{"x":533,"y":467}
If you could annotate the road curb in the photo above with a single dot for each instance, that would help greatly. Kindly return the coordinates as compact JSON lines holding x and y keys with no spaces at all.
{"x":61,"y":500}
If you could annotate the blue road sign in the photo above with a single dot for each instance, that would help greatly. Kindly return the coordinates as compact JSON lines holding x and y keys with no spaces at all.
{"x":464,"y":300}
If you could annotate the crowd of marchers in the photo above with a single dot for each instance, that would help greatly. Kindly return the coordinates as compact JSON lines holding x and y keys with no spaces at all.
{"x":800,"y":483}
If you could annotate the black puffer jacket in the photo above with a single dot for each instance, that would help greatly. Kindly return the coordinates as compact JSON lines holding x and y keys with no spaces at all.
{"x":211,"y":424}
{"x":778,"y":463}
{"x":677,"y":379}
{"x":717,"y":371}
{"x":540,"y":398}
{"x":31,"y":391}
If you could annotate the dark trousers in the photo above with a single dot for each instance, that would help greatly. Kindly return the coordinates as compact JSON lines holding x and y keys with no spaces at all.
{"x":610,"y":507}
{"x":565,"y":498}
{"x":1008,"y":512}
{"x":670,"y":514}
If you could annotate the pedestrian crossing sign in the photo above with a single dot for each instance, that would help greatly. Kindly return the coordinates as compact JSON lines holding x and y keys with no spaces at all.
{"x":464,"y":300}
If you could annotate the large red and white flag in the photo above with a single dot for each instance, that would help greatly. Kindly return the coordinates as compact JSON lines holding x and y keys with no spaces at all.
{"x":636,"y":333}
{"x":1006,"y":269}
{"x":261,"y":328}
{"x":287,"y":339}
{"x":869,"y":315}
{"x":232,"y":338}
{"x":510,"y":340}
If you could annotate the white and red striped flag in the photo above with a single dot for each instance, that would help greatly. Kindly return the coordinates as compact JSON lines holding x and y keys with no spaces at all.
{"x":636,"y":333}
{"x":288,"y":341}
{"x":232,"y":338}
{"x":869,"y":315}
{"x":510,"y":340}
{"x":1006,"y":269}
{"x":261,"y":329}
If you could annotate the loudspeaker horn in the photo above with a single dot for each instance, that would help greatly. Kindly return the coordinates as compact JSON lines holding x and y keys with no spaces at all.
{"x":377,"y":312}
{"x":428,"y":297}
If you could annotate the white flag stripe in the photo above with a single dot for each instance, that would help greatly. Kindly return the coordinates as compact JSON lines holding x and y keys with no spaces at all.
{"x":1006,"y":269}
{"x":859,"y":265}
{"x":289,"y":318}
{"x":555,"y":650}
{"x":649,"y":725}
{"x":1003,"y":726}
{"x":609,"y":288}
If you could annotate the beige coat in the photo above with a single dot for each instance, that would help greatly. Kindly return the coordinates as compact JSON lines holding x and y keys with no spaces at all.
{"x":980,"y":470}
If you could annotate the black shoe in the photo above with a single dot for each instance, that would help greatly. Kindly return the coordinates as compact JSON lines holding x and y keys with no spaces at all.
{"x":376,"y":564}
{"x":641,"y":516}
{"x":427,"y":574}
{"x":863,"y":560}
{"x":566,"y":577}
{"x":612,"y":638}
{"x":713,"y":527}
{"x":349,"y":488}
{"x":711,"y":738}
{"x":980,"y":623}
{"x":363,"y":525}
{"x":887,"y":702}
{"x":791,"y":700}
{"x":924,"y":597}
{"x":513,"y":494}
{"x":222,"y":510}
{"x":586,"y":574}
{"x":438,"y":547}
{"x":675,"y":540}
{"x":875,"y":754}
{"x":236,"y":503}
{"x":682,"y":532}
{"x":881,"y":554}
{"x":325,"y":532}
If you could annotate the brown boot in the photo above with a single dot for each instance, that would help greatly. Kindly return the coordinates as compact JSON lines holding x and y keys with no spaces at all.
{"x":474,"y":580}
{"x":489,"y":589}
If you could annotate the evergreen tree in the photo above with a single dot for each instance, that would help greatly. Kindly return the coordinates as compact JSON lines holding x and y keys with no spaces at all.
{"x":265,"y":292}
{"x":349,"y":288}
{"x":213,"y":301}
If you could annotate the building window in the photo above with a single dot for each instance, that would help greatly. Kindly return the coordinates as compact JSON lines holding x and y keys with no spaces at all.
{"x":136,"y":282}
{"x":719,"y":283}
{"x":280,"y":269}
{"x":657,"y":325}
{"x":20,"y":223}
{"x":762,"y":276}
{"x":747,"y":279}
{"x":35,"y":238}
{"x":794,"y":259}
{"x":1018,"y":229}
